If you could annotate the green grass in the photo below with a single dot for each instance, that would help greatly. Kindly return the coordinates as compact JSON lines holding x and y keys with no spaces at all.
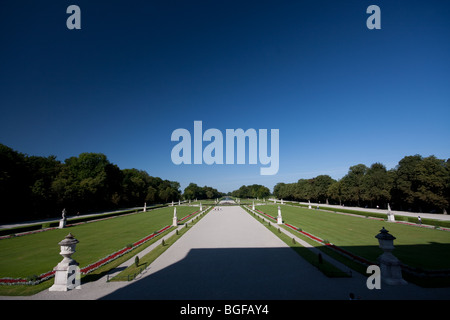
{"x":411,"y":219}
{"x":38,"y":253}
{"x":418,"y":247}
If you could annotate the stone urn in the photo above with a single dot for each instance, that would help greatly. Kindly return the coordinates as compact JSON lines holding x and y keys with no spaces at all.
{"x":390,"y":266}
{"x":67,"y":266}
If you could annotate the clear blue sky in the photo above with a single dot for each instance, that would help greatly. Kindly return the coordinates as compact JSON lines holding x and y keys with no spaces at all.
{"x":339,"y":93}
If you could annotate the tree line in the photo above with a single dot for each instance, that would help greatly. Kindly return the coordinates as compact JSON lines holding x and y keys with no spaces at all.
{"x":193,"y":191}
{"x":419,"y":184}
{"x":33,"y":187}
{"x":252,"y":191}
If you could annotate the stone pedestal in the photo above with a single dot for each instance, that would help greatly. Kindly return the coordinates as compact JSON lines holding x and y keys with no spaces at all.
{"x":390,"y":267}
{"x":62,"y":223}
{"x":279,"y":219}
{"x":64,"y":273}
{"x":390,"y":215}
{"x":175,"y":219}
{"x":67,"y":271}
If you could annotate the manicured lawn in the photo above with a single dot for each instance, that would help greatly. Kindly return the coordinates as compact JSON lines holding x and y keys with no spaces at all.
{"x":414,"y":246}
{"x":38,"y":253}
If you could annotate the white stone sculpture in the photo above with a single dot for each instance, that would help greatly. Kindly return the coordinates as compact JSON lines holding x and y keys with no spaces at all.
{"x":64,"y":278}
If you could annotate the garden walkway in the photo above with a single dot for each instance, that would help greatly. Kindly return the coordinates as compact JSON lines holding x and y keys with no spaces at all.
{"x":230,"y":255}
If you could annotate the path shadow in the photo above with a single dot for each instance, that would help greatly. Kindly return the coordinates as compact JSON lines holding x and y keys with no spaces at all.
{"x":96,"y":276}
{"x":232,"y":273}
{"x":255,"y":274}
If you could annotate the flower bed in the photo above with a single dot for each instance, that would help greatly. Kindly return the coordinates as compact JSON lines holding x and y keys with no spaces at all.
{"x":305,"y":233}
{"x":267,"y":215}
{"x":45,"y":276}
{"x":194,"y":213}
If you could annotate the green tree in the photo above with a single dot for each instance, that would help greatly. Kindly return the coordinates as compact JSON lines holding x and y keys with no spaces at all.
{"x":351,"y":184}
{"x":405,"y":184}
{"x":34,"y":187}
{"x":319,"y":187}
{"x":152,"y":195}
{"x":421,"y":184}
{"x":302,"y":190}
{"x":192,"y":191}
{"x":376,"y":185}
{"x":15,"y":181}
{"x":278,"y":190}
{"x":334,"y":192}
{"x":135,"y":185}
{"x":43,"y":171}
{"x":169,"y":191}
{"x":252,"y":191}
{"x":262,"y":192}
{"x":87,"y":182}
{"x":432,"y":176}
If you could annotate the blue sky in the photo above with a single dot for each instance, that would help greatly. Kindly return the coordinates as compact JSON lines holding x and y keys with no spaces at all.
{"x":339,"y":93}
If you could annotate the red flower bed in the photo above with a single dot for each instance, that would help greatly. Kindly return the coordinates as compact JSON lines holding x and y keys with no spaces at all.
{"x":189,"y":215}
{"x":268,"y":215}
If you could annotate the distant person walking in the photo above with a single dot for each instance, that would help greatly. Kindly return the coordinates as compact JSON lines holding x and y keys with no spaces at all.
{"x":420,"y":219}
